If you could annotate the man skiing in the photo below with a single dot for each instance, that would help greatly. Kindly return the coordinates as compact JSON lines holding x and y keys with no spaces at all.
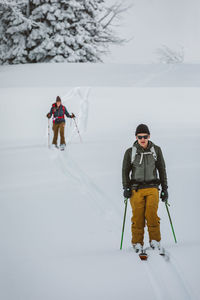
{"x":59,"y":111}
{"x":140,"y":180}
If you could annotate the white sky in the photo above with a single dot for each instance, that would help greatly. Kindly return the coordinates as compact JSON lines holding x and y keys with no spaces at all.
{"x":152,"y":23}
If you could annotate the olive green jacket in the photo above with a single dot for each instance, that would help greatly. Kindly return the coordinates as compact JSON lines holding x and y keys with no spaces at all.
{"x":144,"y":171}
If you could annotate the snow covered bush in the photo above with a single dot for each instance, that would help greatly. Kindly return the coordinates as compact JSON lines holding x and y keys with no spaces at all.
{"x":169,"y":56}
{"x":57,"y":30}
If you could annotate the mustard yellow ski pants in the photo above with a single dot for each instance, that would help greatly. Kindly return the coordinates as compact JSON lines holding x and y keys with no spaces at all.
{"x":144,"y":203}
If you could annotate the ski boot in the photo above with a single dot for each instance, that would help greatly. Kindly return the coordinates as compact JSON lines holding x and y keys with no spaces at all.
{"x":54,"y":146}
{"x":155,"y":245}
{"x":137,"y":247}
{"x":62,"y":147}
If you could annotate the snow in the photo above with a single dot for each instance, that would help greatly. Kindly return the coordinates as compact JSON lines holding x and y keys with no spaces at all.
{"x":61,"y":212}
{"x":108,"y":75}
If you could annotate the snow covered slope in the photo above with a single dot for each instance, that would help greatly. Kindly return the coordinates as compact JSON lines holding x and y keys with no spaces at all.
{"x":72,"y":75}
{"x":61,"y":212}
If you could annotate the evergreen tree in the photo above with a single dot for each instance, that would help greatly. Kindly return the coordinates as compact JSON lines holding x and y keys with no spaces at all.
{"x":57,"y":31}
{"x":14,"y":28}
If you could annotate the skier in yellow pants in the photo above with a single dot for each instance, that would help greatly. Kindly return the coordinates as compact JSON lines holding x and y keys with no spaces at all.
{"x":141,"y":165}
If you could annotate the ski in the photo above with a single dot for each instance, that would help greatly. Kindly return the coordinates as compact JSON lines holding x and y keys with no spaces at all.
{"x":160,"y":251}
{"x":143,"y":255}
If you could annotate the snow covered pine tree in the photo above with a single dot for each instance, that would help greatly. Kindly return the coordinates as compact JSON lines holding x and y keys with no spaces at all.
{"x":58,"y":31}
{"x":13,"y":30}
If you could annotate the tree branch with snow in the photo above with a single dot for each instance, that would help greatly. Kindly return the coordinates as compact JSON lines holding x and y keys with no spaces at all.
{"x":57,"y":31}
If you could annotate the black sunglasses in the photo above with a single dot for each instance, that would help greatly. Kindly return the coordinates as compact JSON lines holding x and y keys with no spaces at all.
{"x":142,"y":136}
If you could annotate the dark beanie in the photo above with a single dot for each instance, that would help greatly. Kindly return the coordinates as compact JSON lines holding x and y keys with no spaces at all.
{"x":58,"y":99}
{"x":142,"y":128}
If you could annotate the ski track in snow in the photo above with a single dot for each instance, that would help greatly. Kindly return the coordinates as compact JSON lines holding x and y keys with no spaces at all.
{"x":176,"y":269}
{"x":94,"y":194}
{"x":144,"y":82}
{"x":159,"y":272}
{"x":153,"y":280}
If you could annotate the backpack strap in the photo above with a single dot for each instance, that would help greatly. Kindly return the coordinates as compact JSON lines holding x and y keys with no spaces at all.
{"x":134,"y":152}
{"x":53,"y":111}
{"x":153,"y":151}
{"x":63,"y":110}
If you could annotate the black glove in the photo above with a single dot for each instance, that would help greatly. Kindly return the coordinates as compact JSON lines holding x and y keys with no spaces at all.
{"x":72,"y":116}
{"x":127,"y":193}
{"x":48,"y":115}
{"x":164,"y":195}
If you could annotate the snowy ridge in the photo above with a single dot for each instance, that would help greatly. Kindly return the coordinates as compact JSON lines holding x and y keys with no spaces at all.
{"x":127,"y":75}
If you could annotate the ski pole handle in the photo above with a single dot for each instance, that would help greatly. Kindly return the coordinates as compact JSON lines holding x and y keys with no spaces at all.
{"x":122,"y":237}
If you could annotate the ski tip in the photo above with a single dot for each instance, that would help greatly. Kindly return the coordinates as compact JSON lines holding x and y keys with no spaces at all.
{"x":143,"y":256}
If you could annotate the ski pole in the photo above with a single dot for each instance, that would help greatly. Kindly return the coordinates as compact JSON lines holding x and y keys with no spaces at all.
{"x":125,"y":201}
{"x":77,"y":129}
{"x":48,"y":133}
{"x":166,"y":205}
